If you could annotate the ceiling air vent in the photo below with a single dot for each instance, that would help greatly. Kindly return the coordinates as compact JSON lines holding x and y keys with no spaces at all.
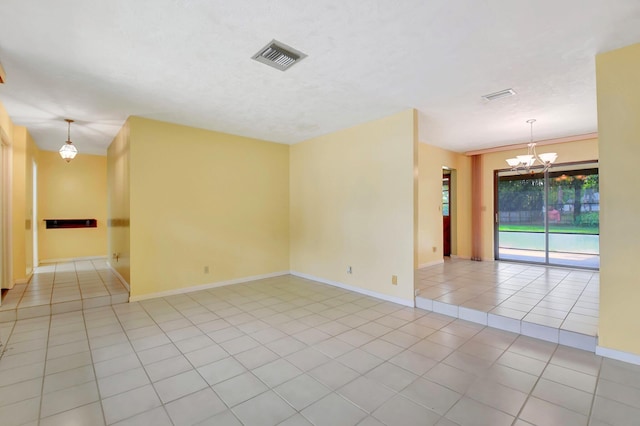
{"x":497,"y":95}
{"x":278,"y":55}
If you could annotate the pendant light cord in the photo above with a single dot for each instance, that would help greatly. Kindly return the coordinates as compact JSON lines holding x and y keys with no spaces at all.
{"x":531,"y":121}
{"x":69,"y":121}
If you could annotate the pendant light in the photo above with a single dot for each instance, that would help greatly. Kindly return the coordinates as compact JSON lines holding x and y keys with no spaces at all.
{"x":68,"y":150}
{"x":525,"y":162}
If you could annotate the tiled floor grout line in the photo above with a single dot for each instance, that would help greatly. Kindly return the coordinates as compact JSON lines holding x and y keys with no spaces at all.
{"x":399,"y":392}
{"x":47,"y":287}
{"x":463,"y":394}
{"x":539,"y":377}
{"x":574,"y":304}
{"x":335,"y":391}
{"x":75,"y":269}
{"x":494,"y":363}
{"x":193,"y":312}
{"x":547,"y":295}
{"x":184,"y":355}
{"x":23,"y":295}
{"x":4,"y":345}
{"x":493,"y":279}
{"x":536,"y":384}
{"x":595,"y":392}
{"x":232,"y":356}
{"x":124,"y":330}
{"x":44,"y":368}
{"x":93,"y":366}
{"x":104,"y":284}
{"x":269,"y":388}
{"x":51,"y":323}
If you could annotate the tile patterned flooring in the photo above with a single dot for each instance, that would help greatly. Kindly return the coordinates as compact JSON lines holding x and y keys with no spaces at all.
{"x":550,"y":303}
{"x":291,"y":351}
{"x":64,"y":287}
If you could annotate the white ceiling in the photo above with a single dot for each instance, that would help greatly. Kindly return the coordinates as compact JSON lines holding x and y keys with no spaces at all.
{"x":188,"y":62}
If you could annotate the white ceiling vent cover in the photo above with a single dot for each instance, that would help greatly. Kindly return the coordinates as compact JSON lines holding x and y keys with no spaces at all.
{"x":278,"y":55}
{"x":498,"y":95}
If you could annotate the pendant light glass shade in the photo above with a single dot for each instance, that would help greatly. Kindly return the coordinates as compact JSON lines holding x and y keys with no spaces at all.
{"x":68,"y":151}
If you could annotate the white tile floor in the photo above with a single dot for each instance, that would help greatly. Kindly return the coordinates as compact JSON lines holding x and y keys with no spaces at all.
{"x":555,"y":304}
{"x":294,"y":352}
{"x":63,"y":287}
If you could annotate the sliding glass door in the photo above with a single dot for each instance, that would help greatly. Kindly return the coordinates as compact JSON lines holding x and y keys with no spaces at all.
{"x":550,"y":218}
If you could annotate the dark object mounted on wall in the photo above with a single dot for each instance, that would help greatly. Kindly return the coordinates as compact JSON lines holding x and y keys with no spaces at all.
{"x":71,"y":223}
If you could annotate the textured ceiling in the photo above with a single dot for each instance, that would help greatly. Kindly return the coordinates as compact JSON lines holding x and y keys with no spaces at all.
{"x":188,"y":62}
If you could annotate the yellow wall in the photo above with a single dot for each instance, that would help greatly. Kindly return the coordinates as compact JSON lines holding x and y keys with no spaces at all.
{"x":6,"y":126}
{"x":6,"y":139}
{"x":18,"y":198}
{"x":32,"y":155}
{"x":431,"y":160}
{"x":75,"y":190}
{"x":584,"y":150}
{"x":202,"y":198}
{"x":352,"y":204}
{"x":619,"y":133}
{"x":24,"y":154}
{"x":118,"y":203}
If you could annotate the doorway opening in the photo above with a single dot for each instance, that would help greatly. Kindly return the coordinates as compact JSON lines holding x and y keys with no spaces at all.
{"x":34,"y":217}
{"x":446,"y":212}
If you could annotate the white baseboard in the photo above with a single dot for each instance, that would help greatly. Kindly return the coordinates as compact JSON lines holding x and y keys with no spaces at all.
{"x":434,"y":263}
{"x":120,"y":277}
{"x":205,"y":286}
{"x":70,"y":259}
{"x":455,"y":256}
{"x":25,"y":280}
{"x":382,"y":296}
{"x":619,"y":355}
{"x":10,"y":285}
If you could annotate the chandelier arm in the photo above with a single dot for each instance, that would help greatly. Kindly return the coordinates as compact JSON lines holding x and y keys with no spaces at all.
{"x":535,"y":154}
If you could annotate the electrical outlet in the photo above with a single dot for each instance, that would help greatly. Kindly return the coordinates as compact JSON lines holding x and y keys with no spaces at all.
{"x":349,"y":270}
{"x":206,"y":269}
{"x":434,"y":248}
{"x":394,"y":279}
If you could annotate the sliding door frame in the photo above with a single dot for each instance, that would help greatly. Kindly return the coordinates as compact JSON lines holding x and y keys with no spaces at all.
{"x":496,"y":213}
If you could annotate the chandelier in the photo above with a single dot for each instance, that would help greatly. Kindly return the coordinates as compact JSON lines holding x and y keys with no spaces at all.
{"x":68,"y":150}
{"x":525,"y":162}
